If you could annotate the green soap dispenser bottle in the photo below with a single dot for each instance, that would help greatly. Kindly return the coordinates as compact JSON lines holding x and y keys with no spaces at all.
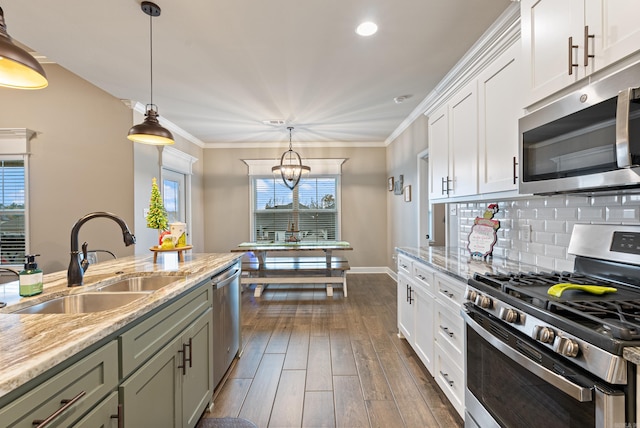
{"x":31,"y":277}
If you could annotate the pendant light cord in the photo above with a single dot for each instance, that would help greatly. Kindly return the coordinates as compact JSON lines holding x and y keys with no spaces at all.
{"x":151,"y":53}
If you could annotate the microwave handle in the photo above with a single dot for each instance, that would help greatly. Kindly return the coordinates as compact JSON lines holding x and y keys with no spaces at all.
{"x":623,"y":150}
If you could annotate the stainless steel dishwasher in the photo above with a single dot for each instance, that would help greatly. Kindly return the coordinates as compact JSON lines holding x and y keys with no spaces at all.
{"x":226,"y":320}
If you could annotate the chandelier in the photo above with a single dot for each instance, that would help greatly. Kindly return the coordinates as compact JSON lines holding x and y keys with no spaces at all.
{"x":290,"y":167}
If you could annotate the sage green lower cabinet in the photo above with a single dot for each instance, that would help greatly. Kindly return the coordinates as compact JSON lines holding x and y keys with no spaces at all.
{"x":151,"y":396}
{"x":86,"y":383}
{"x":104,"y":415}
{"x":197,"y":382}
{"x":167,"y":364}
{"x":175,"y":386}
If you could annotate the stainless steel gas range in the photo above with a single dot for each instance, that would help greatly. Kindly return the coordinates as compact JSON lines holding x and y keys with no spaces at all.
{"x":541,"y":360}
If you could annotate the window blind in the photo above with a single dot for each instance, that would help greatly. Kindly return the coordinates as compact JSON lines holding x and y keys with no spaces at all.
{"x":12,"y":212}
{"x":310,"y":209}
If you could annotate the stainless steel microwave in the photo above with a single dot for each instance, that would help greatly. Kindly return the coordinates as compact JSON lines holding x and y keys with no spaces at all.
{"x":587,"y":141}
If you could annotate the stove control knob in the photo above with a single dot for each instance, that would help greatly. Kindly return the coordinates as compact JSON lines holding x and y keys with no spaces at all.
{"x":484,"y":301}
{"x":543,"y":334}
{"x":509,"y":315}
{"x":471,"y":295}
{"x":567,"y":347}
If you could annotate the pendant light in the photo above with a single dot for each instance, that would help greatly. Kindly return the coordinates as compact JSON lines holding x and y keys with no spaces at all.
{"x":18,"y":69}
{"x":290,"y":167}
{"x":150,"y":131}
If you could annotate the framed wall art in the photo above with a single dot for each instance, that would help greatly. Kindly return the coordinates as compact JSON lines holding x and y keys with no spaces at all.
{"x":407,"y":193}
{"x":398,"y":185}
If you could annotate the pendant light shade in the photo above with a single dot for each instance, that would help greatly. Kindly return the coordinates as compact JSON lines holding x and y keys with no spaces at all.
{"x":290,"y":167}
{"x":18,"y":69}
{"x":150,"y":131}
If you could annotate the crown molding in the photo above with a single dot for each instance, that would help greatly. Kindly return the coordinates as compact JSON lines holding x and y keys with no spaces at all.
{"x":503,"y":33}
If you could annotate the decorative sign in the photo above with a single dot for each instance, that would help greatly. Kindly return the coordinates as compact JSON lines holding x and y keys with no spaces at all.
{"x":483,"y":233}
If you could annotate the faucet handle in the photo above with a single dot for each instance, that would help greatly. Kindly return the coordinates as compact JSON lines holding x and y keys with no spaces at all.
{"x":85,"y":262}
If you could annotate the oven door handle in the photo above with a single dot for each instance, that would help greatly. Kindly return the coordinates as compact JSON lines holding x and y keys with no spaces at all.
{"x":576,"y":392}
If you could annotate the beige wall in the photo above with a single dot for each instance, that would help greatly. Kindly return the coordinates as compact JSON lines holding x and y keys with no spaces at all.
{"x":81,"y":161}
{"x":402,"y":218}
{"x":364,"y":214}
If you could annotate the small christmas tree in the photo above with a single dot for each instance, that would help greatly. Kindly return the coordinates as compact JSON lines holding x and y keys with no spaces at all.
{"x":157,"y":215}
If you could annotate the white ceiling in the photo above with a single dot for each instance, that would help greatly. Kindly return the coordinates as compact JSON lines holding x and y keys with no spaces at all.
{"x":221,"y":67}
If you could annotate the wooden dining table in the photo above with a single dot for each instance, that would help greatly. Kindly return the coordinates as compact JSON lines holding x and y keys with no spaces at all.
{"x":294,"y":263}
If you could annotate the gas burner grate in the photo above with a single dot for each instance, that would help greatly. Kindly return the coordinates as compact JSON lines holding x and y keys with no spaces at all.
{"x":619,"y":319}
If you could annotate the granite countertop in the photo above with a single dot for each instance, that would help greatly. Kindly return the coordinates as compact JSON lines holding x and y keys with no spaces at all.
{"x":33,"y":343}
{"x":458,"y":263}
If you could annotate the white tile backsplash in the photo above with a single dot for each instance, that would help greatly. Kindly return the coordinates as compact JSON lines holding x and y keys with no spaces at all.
{"x":551,"y":219}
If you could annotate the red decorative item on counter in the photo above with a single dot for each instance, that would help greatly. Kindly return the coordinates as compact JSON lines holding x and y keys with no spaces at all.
{"x":162,"y":235}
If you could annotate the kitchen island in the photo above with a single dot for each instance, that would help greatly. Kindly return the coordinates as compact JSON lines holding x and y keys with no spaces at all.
{"x":40,"y":346}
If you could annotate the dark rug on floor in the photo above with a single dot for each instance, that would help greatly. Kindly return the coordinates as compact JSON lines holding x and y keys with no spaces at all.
{"x":225,"y":423}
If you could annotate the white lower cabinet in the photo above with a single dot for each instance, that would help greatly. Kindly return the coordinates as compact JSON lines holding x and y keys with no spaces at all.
{"x":429,"y":319}
{"x":423,"y":336}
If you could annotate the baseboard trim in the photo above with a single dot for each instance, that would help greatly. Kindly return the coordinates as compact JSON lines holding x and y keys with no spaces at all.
{"x":373,"y":269}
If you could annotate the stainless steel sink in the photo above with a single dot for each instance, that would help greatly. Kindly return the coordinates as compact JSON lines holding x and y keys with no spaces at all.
{"x":140,"y":284}
{"x":83,"y":303}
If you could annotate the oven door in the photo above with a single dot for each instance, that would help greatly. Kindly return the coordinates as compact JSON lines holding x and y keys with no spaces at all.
{"x":512,"y":382}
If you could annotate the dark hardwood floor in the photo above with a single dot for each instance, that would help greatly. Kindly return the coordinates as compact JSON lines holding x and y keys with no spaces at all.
{"x":315,"y":361}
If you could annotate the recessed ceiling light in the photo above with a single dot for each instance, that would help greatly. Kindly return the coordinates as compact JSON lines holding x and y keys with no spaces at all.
{"x":367,"y":28}
{"x":274,"y":122}
{"x":402,"y":98}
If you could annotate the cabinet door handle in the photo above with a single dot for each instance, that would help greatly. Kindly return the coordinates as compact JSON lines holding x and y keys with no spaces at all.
{"x":446,"y":330}
{"x":119,"y":416}
{"x":515,"y":170}
{"x":190,"y":345}
{"x":40,"y":423}
{"x":186,"y":359}
{"x":444,"y":181}
{"x":587,"y":36}
{"x":571,"y":48}
{"x":445,"y":376}
{"x":408,"y":292}
{"x":410,"y":297}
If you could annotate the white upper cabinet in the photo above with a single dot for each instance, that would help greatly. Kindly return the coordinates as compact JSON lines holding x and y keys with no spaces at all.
{"x":438,"y":153}
{"x":564,"y":41}
{"x":453,"y":146}
{"x":463,"y":141}
{"x":500,"y":107}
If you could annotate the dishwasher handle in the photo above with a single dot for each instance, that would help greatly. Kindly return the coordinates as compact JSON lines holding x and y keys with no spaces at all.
{"x":225,"y":278}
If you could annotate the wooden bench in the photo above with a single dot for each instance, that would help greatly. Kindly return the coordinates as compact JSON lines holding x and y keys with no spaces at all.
{"x":295,"y":270}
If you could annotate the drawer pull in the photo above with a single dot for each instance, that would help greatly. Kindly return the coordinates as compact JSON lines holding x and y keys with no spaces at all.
{"x":119,"y":416}
{"x":446,"y":330}
{"x":39,"y":423}
{"x":447,"y":293}
{"x":445,"y":376}
{"x":421,"y":277}
{"x":403,"y":266}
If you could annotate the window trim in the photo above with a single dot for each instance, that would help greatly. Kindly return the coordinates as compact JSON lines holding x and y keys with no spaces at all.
{"x":261,"y":168}
{"x":15,"y":145}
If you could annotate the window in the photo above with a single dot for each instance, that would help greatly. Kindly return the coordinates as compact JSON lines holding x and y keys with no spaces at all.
{"x":311,"y":209}
{"x":14,"y":195}
{"x":12,"y":210}
{"x":313,"y":206}
{"x":173,"y":195}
